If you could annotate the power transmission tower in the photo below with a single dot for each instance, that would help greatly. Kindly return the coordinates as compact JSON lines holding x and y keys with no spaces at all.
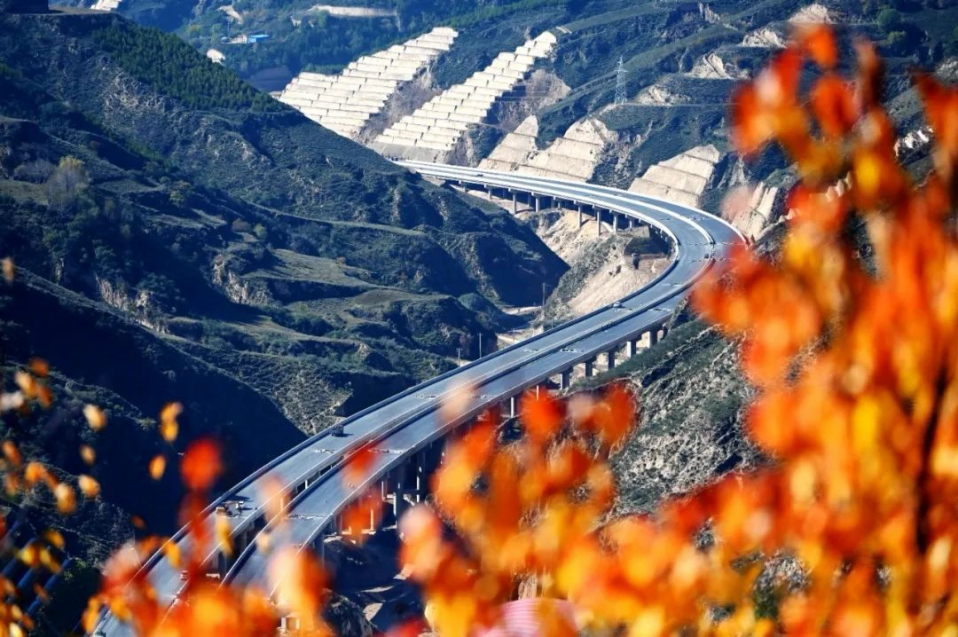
{"x":620,"y":73}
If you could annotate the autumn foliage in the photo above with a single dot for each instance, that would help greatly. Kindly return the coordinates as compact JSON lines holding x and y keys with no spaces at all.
{"x":855,"y":359}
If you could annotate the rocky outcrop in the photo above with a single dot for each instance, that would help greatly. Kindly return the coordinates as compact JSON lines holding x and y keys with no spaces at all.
{"x":683,"y":178}
{"x":913,"y":140}
{"x":812,"y":14}
{"x":575,"y":155}
{"x":603,"y":268}
{"x":691,"y":428}
{"x":752,"y":208}
{"x":657,"y":95}
{"x":713,"y":67}
{"x":765,"y":38}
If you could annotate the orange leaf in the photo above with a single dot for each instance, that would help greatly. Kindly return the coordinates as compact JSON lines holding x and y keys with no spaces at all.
{"x":94,"y":417}
{"x":818,"y":41}
{"x":88,"y":454}
{"x":201,"y":465}
{"x":11,"y":453}
{"x":541,"y":414}
{"x":89,"y":486}
{"x":8,"y":269}
{"x":615,"y":415}
{"x":66,"y":498}
{"x":834,"y":105}
{"x":157,"y":466}
{"x":358,"y":464}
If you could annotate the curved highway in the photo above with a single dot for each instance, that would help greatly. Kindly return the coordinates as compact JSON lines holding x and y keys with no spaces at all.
{"x":405,"y":426}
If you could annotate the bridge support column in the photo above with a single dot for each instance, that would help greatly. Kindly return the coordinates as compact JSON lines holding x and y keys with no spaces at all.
{"x":222,"y":564}
{"x":389,"y":505}
{"x":512,"y":407}
{"x":653,"y":336}
{"x":422,"y":482}
{"x":589,"y":368}
{"x":615,"y":223}
{"x":515,"y":202}
{"x":633,"y":347}
{"x":565,"y":379}
{"x":538,"y":203}
{"x":580,"y":214}
{"x":610,"y":358}
{"x":598,"y":222}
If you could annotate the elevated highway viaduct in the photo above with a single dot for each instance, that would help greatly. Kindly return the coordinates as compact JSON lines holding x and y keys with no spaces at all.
{"x":408,"y":429}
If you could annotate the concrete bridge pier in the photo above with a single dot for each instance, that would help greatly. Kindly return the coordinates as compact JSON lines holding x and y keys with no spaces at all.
{"x":615,"y":223}
{"x":579,"y":206}
{"x":244,"y":539}
{"x":538,"y":200}
{"x":633,"y":347}
{"x":653,"y":336}
{"x":515,"y":202}
{"x":598,"y":222}
{"x":610,"y":359}
{"x":589,"y":368}
{"x":223,"y":564}
{"x":565,"y":379}
{"x":319,"y":544}
{"x":388,"y":493}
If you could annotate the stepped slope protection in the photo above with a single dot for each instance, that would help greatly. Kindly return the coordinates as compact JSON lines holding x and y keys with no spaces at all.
{"x":408,"y":426}
{"x":435,"y":129}
{"x":346,"y":102}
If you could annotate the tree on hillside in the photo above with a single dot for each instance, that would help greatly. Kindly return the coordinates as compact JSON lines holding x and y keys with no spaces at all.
{"x":889,"y":20}
{"x":64,"y":186}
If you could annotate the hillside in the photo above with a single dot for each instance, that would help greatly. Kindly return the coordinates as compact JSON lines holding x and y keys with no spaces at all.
{"x":179,"y":236}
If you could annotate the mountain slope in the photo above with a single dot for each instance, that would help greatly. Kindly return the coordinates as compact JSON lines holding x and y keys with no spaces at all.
{"x":180,"y":236}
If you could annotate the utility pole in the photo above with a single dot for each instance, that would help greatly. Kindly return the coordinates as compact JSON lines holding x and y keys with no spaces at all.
{"x":620,"y":74}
